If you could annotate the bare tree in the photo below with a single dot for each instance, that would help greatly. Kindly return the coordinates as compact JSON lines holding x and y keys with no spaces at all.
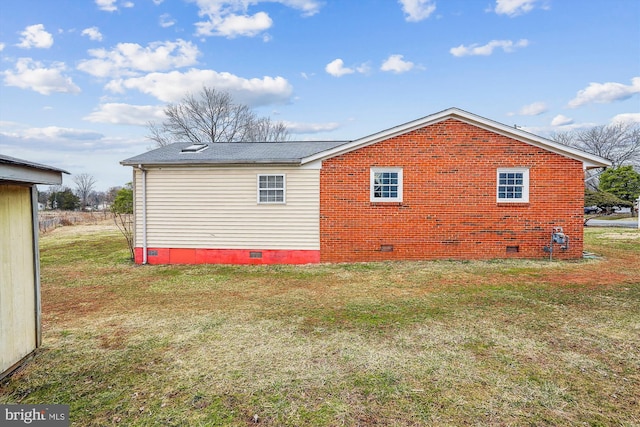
{"x":111,"y":194}
{"x":618,"y":142}
{"x":84,"y":187}
{"x":264,"y":130}
{"x":122,"y":208}
{"x":212,"y":116}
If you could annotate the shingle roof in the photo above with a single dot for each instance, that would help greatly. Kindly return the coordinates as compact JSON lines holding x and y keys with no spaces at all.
{"x":234,"y":153}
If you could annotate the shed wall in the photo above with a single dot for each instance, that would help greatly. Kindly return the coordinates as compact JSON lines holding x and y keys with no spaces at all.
{"x":18,"y":334}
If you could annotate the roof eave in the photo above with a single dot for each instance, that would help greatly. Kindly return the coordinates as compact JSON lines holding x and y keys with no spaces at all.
{"x":14,"y":170}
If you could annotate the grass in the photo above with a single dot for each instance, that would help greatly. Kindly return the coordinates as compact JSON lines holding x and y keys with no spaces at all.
{"x":502,"y":342}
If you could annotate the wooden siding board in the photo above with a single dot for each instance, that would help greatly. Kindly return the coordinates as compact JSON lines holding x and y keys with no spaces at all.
{"x":217,"y":208}
{"x":17,"y":275}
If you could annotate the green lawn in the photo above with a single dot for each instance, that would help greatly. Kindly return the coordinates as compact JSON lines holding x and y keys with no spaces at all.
{"x":398,"y":344}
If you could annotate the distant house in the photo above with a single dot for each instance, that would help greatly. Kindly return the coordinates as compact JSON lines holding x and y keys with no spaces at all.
{"x":19,"y":260}
{"x":452,"y":185}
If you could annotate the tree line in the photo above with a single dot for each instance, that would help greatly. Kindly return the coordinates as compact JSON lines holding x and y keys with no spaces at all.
{"x":618,"y":142}
{"x":82,"y":197}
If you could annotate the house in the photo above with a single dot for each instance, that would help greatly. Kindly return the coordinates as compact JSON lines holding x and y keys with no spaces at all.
{"x":452,"y":185}
{"x":20,"y":332}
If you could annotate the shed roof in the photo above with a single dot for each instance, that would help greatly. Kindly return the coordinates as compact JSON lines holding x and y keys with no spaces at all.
{"x":18,"y":170}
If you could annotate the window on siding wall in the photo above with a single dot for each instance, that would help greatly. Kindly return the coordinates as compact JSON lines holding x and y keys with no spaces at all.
{"x":386,"y":184}
{"x":513,"y":185}
{"x":271,"y":189}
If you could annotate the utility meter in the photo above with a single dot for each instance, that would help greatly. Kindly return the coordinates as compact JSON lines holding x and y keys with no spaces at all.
{"x":558,"y":236}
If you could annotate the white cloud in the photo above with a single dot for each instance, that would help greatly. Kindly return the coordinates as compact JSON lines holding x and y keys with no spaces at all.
{"x":130,"y":58}
{"x":166,"y":20}
{"x":55,"y":132}
{"x":157,"y":2}
{"x":487,"y":49}
{"x":306,"y":128}
{"x":307,"y":7}
{"x":128,"y":4}
{"x":53,"y":140}
{"x":35,"y":36}
{"x":229,"y":18}
{"x":561,"y":120}
{"x":534,"y":109}
{"x":126,"y":114}
{"x":627,"y":118}
{"x":232,"y":26}
{"x":2,"y":45}
{"x":93,"y":33}
{"x":173,"y":86}
{"x":605,"y":93}
{"x":45,"y":137}
{"x":514,"y":7}
{"x":107,"y":5}
{"x":396,"y":64}
{"x":30,"y":74}
{"x":337,"y":69}
{"x":417,"y":10}
{"x":363,"y":68}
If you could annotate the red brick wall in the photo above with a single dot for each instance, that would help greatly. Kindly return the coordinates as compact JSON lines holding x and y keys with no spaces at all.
{"x":449,"y":208}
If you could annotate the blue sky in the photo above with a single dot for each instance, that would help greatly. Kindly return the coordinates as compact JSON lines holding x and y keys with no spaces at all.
{"x":80,"y":79}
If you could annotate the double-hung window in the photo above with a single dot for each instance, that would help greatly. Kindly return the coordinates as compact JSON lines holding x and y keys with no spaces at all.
{"x":513,"y":185}
{"x":271,"y":189}
{"x":386,"y":184}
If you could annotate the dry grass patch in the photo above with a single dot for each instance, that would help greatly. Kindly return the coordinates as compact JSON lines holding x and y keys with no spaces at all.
{"x":417,"y":343}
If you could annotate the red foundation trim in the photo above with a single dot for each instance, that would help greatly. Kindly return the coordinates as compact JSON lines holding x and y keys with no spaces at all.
{"x":227,"y":256}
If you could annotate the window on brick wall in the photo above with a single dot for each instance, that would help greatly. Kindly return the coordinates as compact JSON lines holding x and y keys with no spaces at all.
{"x":386,"y":184}
{"x":271,"y":189}
{"x":513,"y":185}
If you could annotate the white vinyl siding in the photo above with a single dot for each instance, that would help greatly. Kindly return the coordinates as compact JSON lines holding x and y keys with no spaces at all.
{"x":18,"y":335}
{"x":216,"y":208}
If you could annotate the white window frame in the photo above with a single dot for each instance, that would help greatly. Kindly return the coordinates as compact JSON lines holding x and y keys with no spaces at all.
{"x":524,"y":185}
{"x":283,"y":189}
{"x":372,"y":185}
